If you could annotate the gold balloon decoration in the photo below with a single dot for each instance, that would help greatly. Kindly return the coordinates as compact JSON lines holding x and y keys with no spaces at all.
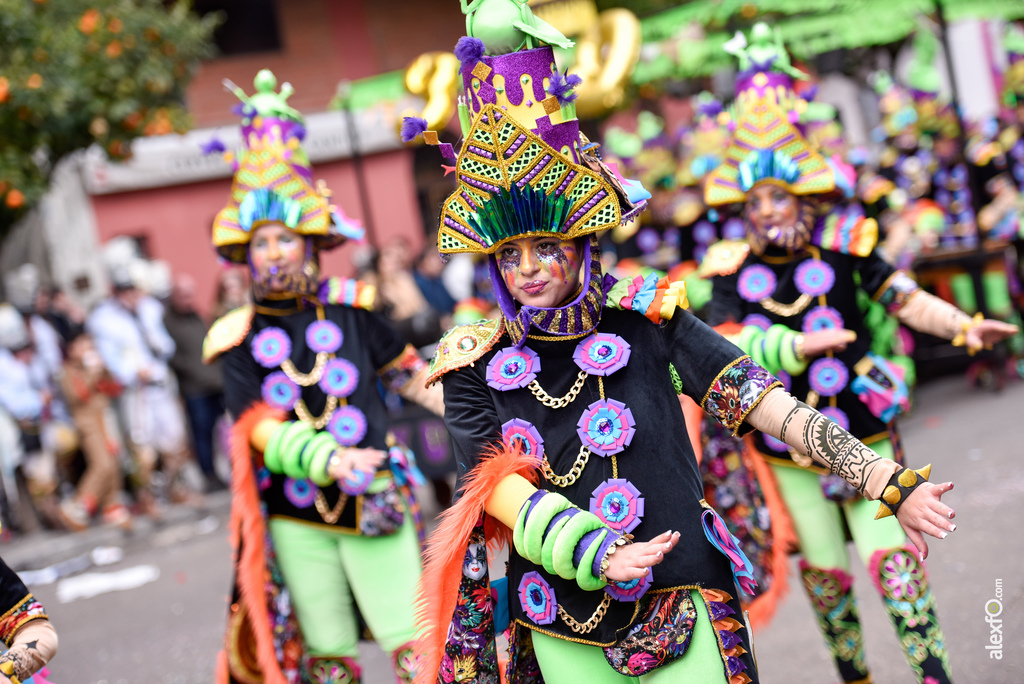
{"x":605,"y":56}
{"x":434,"y":76}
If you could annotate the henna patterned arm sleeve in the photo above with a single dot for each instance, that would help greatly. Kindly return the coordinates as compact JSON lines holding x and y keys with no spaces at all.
{"x":780,"y":415}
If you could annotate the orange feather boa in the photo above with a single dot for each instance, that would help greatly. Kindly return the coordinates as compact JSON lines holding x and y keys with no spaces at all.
{"x":446,"y":551}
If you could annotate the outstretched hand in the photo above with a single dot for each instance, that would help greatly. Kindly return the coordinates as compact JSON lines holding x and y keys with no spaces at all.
{"x":988,"y":332}
{"x":356,"y":459}
{"x":632,"y":561}
{"x":830,"y":339}
{"x":923,"y":511}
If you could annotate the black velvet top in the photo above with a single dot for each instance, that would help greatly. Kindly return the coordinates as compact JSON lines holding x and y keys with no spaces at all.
{"x":876,"y":276}
{"x":659,"y":461}
{"x":368,"y":343}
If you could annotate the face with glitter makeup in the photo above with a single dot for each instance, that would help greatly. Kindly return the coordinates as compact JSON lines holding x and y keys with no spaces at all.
{"x":771,"y":210}
{"x":540,"y":271}
{"x":275,"y":253}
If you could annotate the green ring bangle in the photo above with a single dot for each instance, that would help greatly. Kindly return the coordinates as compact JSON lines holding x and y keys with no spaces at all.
{"x":578,"y":526}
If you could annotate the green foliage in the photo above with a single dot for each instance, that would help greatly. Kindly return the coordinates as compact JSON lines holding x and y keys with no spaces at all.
{"x":78,"y":72}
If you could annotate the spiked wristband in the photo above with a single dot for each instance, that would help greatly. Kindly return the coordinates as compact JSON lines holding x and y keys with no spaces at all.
{"x":901,"y":484}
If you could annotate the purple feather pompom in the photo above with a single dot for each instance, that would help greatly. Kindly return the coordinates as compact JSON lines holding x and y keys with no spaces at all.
{"x":213,"y":146}
{"x":469,"y":51}
{"x":413,"y":127}
{"x":563,"y":86}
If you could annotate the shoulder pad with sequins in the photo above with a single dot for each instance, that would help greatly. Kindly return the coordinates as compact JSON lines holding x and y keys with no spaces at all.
{"x":227,"y":332}
{"x":463,"y":345}
{"x":723,"y":258}
{"x":349,"y":292}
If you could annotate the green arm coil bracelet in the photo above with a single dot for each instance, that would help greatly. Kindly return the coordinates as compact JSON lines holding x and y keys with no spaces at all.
{"x":319,"y":441}
{"x":578,"y":526}
{"x":318,"y":465}
{"x":773,"y":339}
{"x":548,"y":549}
{"x":272,"y":452}
{"x":518,"y":532}
{"x":584,"y":573}
{"x":749,"y":337}
{"x":537,"y":523}
{"x":787,"y":355}
{"x":294,"y":441}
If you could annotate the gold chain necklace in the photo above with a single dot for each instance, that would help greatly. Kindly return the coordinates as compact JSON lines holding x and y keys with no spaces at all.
{"x":330,"y":516}
{"x":562,"y":402}
{"x":786,"y":310}
{"x":306,"y":417}
{"x":572,"y":475}
{"x":590,"y":624}
{"x":306,"y":379}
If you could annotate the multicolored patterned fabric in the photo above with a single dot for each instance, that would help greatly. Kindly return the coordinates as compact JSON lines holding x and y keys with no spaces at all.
{"x":660,"y":635}
{"x":847,"y":231}
{"x":736,"y":391}
{"x":903,"y":583}
{"x":512,"y":184}
{"x":765,"y":128}
{"x":729,"y":642}
{"x":831,"y":594}
{"x":333,"y":670}
{"x":24,"y":611}
{"x":470,"y":654}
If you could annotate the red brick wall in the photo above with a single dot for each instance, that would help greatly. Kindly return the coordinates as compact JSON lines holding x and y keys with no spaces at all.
{"x":324,"y":41}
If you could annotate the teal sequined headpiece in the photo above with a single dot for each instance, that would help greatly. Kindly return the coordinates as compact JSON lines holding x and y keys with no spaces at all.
{"x":761,"y":165}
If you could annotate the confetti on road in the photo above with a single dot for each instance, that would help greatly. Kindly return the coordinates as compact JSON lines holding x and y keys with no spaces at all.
{"x":95,"y":583}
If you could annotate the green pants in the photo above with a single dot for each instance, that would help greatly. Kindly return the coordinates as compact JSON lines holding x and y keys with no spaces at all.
{"x":567,"y":662}
{"x":818,"y":521}
{"x":324,"y":569}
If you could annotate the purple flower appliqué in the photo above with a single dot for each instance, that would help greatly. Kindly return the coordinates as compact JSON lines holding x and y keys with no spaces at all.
{"x":618,"y":504}
{"x":340,"y":378}
{"x":631,"y":590}
{"x":837,"y":416}
{"x":271,"y":346}
{"x":537,"y":598}
{"x":357,"y":483}
{"x":828,"y":376}
{"x":606,"y":427}
{"x":324,"y":337}
{"x":523,"y":434}
{"x":347,"y":425}
{"x":301,"y":493}
{"x":263,"y":479}
{"x":756,"y":282}
{"x":279,"y":391}
{"x":758,"y":320}
{"x":822,"y":318}
{"x":512,"y":368}
{"x":601,"y":353}
{"x":814,"y":277}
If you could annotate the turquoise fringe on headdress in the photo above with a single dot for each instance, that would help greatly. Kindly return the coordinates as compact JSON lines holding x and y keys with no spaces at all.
{"x":763,"y":164}
{"x":263,"y":205}
{"x":519,"y":211}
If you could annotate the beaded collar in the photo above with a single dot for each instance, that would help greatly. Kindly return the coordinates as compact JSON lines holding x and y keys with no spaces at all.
{"x":578,"y":317}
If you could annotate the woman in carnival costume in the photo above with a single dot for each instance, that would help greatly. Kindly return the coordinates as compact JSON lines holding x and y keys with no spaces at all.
{"x":793,"y":287}
{"x":567,"y":428}
{"x":322,"y":510}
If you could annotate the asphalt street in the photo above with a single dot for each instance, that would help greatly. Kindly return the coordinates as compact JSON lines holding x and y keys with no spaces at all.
{"x":163,"y":624}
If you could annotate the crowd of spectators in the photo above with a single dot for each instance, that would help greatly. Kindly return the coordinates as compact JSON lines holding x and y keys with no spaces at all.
{"x":108,"y":414}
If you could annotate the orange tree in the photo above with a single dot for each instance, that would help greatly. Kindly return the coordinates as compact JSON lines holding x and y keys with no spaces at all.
{"x":74,"y":73}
